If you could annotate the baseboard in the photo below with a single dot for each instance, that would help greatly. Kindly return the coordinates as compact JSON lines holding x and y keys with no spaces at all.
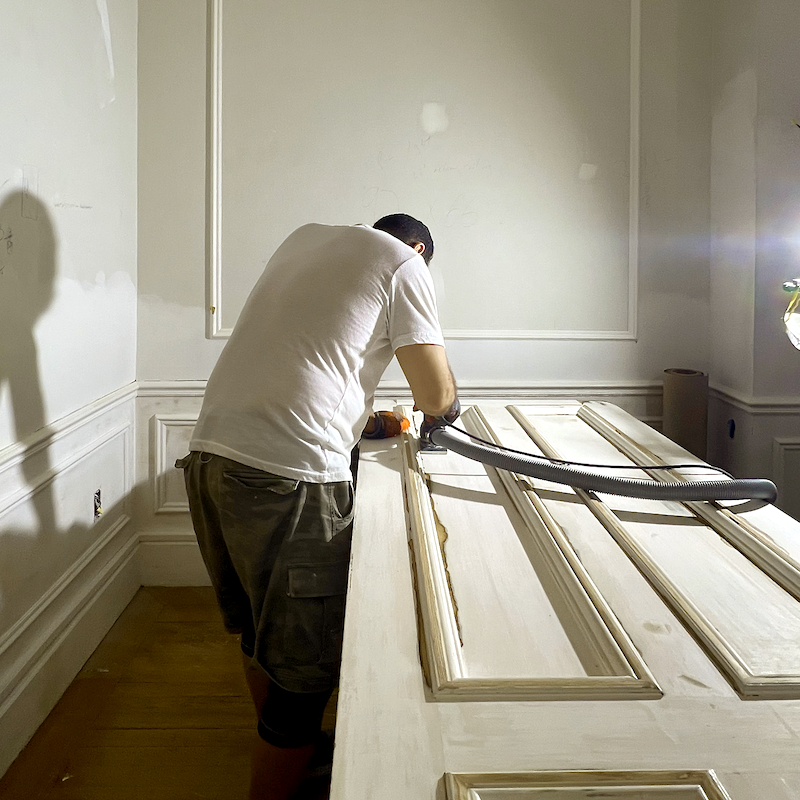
{"x":42,"y":653}
{"x":170,"y":559}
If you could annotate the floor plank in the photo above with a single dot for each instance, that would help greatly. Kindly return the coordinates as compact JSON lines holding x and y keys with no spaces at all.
{"x":159,"y":711}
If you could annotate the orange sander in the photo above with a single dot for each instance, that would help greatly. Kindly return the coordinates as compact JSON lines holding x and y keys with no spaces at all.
{"x":384,"y":425}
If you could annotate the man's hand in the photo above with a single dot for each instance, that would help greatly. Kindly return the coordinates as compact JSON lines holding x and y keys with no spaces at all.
{"x":428,"y":374}
{"x":384,"y":425}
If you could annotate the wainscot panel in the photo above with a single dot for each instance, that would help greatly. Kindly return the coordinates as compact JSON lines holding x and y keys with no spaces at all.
{"x":68,"y":567}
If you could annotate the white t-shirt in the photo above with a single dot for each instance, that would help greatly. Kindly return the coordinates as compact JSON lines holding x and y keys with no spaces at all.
{"x":293,"y":388}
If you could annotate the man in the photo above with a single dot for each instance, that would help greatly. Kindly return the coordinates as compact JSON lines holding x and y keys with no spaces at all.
{"x":268,"y":475}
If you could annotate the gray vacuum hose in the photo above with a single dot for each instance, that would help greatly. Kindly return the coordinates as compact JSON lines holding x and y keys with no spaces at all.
{"x":747,"y":489}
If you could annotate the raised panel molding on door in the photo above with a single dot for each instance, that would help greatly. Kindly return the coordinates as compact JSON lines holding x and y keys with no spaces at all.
{"x":622,"y":785}
{"x":483,"y":640}
{"x":756,"y":533}
{"x":747,"y":623}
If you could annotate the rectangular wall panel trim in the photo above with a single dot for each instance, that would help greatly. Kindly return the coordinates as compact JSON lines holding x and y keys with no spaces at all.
{"x":163,"y":462}
{"x":216,"y":329}
{"x":55,"y":431}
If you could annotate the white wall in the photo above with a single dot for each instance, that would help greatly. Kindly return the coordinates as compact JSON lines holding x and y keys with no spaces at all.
{"x":305,"y":103}
{"x":67,"y":343}
{"x":754,"y":198}
{"x":673,"y":209}
{"x":776,"y":371}
{"x":754,"y":414}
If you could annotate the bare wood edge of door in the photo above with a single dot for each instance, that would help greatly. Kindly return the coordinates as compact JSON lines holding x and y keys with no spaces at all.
{"x":752,"y":542}
{"x":445,"y":667}
{"x":466,"y":786}
{"x":746,"y":684}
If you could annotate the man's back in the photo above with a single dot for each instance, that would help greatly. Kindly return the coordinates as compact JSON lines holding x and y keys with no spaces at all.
{"x":293,"y":387}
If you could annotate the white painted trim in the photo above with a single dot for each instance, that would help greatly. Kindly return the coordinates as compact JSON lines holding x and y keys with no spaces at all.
{"x":781,"y":445}
{"x":552,"y":335}
{"x":477,"y":389}
{"x":170,"y":559}
{"x":42,"y":653}
{"x":756,"y":405}
{"x":506,"y":390}
{"x":214,"y":329}
{"x":194,"y":388}
{"x":214,"y":177}
{"x":161,"y":423}
{"x":47,"y":477}
{"x":14,"y":637}
{"x":15,"y":453}
{"x":635,"y":179}
{"x":182,"y":535}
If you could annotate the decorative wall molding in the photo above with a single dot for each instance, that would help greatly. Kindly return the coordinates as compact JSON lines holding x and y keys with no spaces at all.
{"x":53,"y":613}
{"x":479,"y":390}
{"x":41,"y":655}
{"x":687,"y":784}
{"x":214,"y":329}
{"x":755,"y":405}
{"x":155,"y":389}
{"x":42,"y":439}
{"x":214,"y":180}
{"x":783,"y":448}
{"x":163,"y":462}
{"x":46,"y":643}
{"x":45,"y":479}
{"x":170,"y":558}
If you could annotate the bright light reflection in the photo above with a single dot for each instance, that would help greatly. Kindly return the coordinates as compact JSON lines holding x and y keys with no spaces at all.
{"x":791,"y":319}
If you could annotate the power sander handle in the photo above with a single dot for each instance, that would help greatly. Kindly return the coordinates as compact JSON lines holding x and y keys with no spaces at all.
{"x":430,"y":423}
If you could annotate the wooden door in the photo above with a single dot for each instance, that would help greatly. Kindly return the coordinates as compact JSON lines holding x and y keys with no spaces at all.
{"x":513,"y":639}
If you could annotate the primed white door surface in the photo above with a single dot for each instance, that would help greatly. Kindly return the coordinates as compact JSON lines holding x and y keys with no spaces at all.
{"x":513,"y":639}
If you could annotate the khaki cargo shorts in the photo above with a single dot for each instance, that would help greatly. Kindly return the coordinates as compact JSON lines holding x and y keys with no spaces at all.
{"x":278,"y":554}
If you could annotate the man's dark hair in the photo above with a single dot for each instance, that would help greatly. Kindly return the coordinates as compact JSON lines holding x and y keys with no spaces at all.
{"x":408,"y":230}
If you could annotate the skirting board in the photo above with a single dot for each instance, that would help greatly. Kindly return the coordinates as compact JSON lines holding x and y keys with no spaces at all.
{"x":61,"y":637}
{"x":170,"y":559}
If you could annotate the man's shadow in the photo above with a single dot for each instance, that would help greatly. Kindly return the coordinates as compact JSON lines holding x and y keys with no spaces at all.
{"x":28,"y":257}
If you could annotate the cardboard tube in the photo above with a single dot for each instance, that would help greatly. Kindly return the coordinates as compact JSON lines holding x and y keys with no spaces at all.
{"x":686,"y":409}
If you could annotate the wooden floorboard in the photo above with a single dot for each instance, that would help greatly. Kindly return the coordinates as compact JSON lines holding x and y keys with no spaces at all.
{"x":160,"y":711}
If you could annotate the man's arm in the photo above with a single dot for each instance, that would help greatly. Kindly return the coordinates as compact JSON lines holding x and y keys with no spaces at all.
{"x":428,"y":374}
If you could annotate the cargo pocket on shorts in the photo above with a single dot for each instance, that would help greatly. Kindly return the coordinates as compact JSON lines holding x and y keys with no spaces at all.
{"x":315,"y":613}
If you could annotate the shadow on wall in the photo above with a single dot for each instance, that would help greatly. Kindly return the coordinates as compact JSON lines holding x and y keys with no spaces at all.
{"x":28,"y":253}
{"x":31,"y":541}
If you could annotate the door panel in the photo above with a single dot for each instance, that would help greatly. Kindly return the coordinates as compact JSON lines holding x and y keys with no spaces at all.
{"x":749,"y":625}
{"x":507,"y":609}
{"x":586,"y":785}
{"x":602,"y":637}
